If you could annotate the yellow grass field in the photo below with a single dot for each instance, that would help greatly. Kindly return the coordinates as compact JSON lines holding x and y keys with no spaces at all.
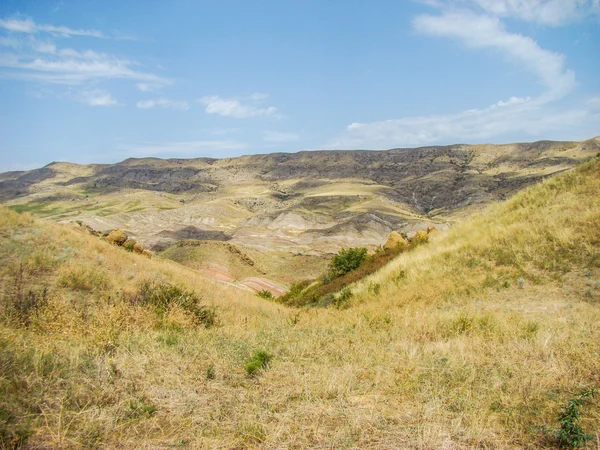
{"x":478,"y":339}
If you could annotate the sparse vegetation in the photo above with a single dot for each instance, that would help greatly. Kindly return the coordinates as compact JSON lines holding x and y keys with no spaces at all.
{"x":347,"y":267}
{"x":163,"y":296}
{"x":441,"y":340}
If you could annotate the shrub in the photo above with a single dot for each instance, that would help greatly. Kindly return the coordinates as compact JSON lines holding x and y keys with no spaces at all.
{"x":347,"y":260}
{"x":163,"y":296}
{"x":266,"y":294}
{"x":259,"y":361}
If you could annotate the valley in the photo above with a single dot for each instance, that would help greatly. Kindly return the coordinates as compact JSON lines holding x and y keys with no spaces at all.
{"x":291,"y":212}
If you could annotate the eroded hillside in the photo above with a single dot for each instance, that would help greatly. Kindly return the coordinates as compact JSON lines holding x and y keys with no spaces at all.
{"x":309,"y":203}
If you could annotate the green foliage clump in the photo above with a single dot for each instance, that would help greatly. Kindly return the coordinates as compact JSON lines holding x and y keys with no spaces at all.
{"x":163,"y":296}
{"x":259,"y":361}
{"x":347,"y":260}
{"x":266,"y":294}
{"x":570,"y":434}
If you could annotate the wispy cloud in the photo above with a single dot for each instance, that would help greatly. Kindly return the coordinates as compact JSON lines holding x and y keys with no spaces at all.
{"x":163,"y":103}
{"x":235,"y":108}
{"x":31,"y":52}
{"x":28,"y":26}
{"x":95,"y":97}
{"x":183,"y":148}
{"x":483,"y":31}
{"x":279,"y":137}
{"x":478,"y":24}
{"x":545,"y":12}
{"x":472,"y":126}
{"x":68,"y":66}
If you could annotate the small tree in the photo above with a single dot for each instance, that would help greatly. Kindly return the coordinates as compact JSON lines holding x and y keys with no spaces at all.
{"x":347,"y":260}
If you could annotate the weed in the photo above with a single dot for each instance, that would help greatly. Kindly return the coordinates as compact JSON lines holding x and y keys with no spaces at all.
{"x":463,"y":324}
{"x":341,"y":300}
{"x":140,"y":408}
{"x":21,"y":303}
{"x":211,"y":373}
{"x":374,"y":288}
{"x":530,"y":329}
{"x":570,"y":434}
{"x":252,"y":433}
{"x":259,"y":361}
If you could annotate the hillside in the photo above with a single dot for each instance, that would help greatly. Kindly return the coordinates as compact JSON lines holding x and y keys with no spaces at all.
{"x":478,"y":339}
{"x":283,"y":205}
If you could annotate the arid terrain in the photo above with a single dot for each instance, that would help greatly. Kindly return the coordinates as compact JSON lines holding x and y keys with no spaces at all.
{"x":286,"y":213}
{"x":485,"y":336}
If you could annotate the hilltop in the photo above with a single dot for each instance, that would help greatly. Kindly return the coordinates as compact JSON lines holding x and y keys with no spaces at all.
{"x":478,"y":339}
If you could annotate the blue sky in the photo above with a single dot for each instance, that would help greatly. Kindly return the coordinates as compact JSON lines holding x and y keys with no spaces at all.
{"x":100,"y":81}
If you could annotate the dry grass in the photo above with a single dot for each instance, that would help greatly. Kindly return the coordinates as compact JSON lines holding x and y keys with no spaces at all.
{"x":476,"y":340}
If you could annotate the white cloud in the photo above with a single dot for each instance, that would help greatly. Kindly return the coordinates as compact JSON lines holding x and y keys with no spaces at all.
{"x":234,"y":108}
{"x":30,"y":27}
{"x":473,"y":126}
{"x":185,"y":148}
{"x":68,"y":66}
{"x":163,"y":103}
{"x":546,"y":12}
{"x":483,"y":31}
{"x":148,"y":87}
{"x":95,"y":97}
{"x":279,"y":137}
{"x":482,"y":28}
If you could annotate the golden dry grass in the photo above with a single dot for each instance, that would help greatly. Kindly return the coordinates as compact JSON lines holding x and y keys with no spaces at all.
{"x":476,"y":340}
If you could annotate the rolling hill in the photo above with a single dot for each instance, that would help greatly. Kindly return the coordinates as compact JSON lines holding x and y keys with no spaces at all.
{"x":285,"y":206}
{"x":478,"y":339}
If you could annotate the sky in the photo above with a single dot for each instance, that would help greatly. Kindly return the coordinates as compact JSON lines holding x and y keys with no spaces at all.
{"x":101,"y":81}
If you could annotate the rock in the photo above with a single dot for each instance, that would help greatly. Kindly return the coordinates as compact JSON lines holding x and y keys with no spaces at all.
{"x":117,"y":237}
{"x":395,"y":240}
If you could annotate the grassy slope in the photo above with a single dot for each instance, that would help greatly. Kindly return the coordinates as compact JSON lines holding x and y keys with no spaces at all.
{"x":476,"y":340}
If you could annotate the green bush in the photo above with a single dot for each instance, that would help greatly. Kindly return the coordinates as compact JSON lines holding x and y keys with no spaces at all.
{"x":162,"y":296}
{"x":266,"y":294}
{"x":259,"y":361}
{"x":347,"y":260}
